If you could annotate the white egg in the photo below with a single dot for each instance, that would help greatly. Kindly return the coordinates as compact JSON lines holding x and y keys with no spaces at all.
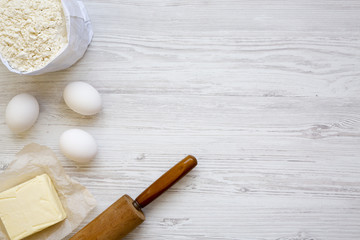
{"x":22,"y":112}
{"x":82,"y":98}
{"x":78,"y":145}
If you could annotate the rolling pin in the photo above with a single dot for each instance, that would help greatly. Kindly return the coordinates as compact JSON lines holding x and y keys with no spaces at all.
{"x":125,"y":214}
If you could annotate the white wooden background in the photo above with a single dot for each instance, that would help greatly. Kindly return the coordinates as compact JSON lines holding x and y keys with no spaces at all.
{"x":266,"y":94}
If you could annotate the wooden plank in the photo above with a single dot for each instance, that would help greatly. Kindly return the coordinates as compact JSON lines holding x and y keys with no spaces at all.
{"x":264,"y":93}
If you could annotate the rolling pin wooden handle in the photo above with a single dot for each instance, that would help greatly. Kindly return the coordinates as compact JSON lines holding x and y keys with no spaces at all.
{"x":165,"y":181}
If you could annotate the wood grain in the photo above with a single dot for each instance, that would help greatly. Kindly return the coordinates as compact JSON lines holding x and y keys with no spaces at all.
{"x":264,"y":93}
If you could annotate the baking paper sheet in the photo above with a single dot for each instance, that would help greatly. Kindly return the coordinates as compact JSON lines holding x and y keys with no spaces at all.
{"x":34,"y":160}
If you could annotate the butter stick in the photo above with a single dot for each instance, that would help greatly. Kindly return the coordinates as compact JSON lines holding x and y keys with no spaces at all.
{"x":30,"y":207}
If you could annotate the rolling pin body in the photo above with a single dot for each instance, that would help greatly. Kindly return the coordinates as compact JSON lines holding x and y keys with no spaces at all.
{"x":114,"y":223}
{"x":122,"y":217}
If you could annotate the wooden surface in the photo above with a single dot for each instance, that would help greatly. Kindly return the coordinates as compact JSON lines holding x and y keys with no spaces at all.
{"x":264,"y":93}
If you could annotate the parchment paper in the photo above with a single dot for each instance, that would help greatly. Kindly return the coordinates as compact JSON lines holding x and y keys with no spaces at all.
{"x":34,"y":160}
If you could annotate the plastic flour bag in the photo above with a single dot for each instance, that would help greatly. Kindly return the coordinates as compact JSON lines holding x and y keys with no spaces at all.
{"x":79,"y":35}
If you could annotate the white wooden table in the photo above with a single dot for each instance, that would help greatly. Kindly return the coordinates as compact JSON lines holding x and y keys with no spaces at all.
{"x":264,"y":93}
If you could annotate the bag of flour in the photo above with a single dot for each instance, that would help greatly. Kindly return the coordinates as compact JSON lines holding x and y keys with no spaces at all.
{"x":37,"y":41}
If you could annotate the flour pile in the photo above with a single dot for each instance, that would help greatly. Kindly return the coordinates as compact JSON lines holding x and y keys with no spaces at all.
{"x":32,"y":32}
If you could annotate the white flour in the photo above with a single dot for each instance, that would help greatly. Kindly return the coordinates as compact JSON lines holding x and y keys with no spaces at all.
{"x":32,"y":32}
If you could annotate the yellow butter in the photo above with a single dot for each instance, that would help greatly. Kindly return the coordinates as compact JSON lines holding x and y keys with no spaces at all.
{"x":30,"y":207}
